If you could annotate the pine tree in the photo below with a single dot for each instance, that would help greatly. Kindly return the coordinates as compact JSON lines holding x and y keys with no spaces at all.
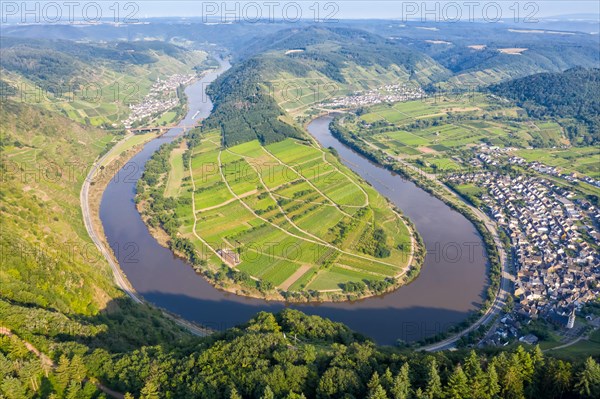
{"x":588,"y":380}
{"x":374,"y":388}
{"x":491,"y":387}
{"x":401,"y":386}
{"x":537,"y":356}
{"x":474,"y":375}
{"x":558,"y":378}
{"x":63,"y":372}
{"x":536,"y":388}
{"x":268,"y":393}
{"x":434,"y":383}
{"x":419,"y":394}
{"x":73,"y":390}
{"x":526,"y":366}
{"x":458,"y":387}
{"x":387,"y":380}
{"x":512,"y":383}
{"x":233,"y":394}
{"x":77,"y":369}
{"x":150,"y":390}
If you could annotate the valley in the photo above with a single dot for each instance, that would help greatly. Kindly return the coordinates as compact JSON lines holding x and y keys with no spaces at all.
{"x":366,"y":209}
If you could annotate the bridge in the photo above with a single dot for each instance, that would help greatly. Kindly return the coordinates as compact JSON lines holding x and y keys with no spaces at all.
{"x":160,"y":128}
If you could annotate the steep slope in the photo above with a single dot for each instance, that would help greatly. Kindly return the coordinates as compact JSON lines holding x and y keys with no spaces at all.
{"x":570,"y":95}
{"x":299,"y":68}
{"x":90,"y":83}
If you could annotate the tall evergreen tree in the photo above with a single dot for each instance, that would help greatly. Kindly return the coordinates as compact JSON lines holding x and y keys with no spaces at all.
{"x":433,"y":390}
{"x":268,"y":393}
{"x":234,"y":394}
{"x":374,"y":388}
{"x":458,"y":387}
{"x":491,"y":388}
{"x":588,"y":384}
{"x":63,"y":372}
{"x":475,"y":376}
{"x":401,"y":386}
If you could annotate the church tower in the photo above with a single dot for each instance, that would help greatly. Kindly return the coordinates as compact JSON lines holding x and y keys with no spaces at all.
{"x":571,"y":321}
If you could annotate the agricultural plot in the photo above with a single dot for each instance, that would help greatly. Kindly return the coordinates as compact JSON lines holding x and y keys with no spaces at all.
{"x":289,"y":214}
{"x":583,"y":160}
{"x":433,"y":131}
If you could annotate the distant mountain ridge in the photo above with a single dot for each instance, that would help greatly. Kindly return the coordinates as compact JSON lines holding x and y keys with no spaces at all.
{"x":346,"y":58}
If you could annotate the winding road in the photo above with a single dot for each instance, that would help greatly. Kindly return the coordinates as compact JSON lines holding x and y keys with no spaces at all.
{"x":119,"y":277}
{"x":506,"y":276}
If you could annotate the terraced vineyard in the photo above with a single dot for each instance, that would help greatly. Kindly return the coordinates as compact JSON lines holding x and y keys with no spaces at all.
{"x":286,"y":219}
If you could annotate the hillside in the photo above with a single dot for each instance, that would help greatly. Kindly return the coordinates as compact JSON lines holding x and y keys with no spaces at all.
{"x":480,"y":53}
{"x":570,"y":95}
{"x":53,"y":280}
{"x":91,"y":83}
{"x":286,"y":356}
{"x":297,"y":69}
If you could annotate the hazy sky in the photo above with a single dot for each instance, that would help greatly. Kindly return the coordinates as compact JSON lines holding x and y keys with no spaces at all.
{"x":427,"y":11}
{"x":370,"y":9}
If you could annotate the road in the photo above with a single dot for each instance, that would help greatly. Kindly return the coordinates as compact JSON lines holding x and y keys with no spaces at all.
{"x":118,"y":276}
{"x":506,"y":279}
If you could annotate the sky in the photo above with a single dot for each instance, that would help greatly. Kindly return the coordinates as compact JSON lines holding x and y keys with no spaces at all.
{"x":516,"y":11}
{"x":357,"y":9}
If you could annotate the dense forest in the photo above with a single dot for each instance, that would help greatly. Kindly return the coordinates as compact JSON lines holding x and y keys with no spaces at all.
{"x":243,"y":108}
{"x":569,"y":95}
{"x":288,"y":355}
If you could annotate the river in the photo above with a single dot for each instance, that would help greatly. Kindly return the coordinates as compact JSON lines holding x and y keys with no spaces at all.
{"x":451,"y":283}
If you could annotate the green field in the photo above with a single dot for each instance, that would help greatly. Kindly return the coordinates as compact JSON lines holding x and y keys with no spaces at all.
{"x":295,"y":216}
{"x":435,"y":133}
{"x":582,"y":160}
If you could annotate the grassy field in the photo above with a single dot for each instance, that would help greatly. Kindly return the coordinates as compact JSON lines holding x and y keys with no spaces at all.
{"x":582,"y":160}
{"x":295,"y":217}
{"x":435,"y":132}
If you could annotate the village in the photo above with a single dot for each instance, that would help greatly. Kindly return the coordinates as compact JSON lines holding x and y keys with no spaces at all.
{"x":387,"y":93}
{"x":162,"y":97}
{"x":554,"y":240}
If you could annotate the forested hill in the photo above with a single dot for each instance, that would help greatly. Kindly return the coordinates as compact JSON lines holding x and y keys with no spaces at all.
{"x":572,"y":94}
{"x":243,"y":108}
{"x":53,"y":63}
{"x":330,"y":50}
{"x":248,"y":97}
{"x":274,"y":356}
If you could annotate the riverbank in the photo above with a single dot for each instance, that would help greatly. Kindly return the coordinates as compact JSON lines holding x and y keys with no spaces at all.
{"x":224,"y":275}
{"x":499,"y":273}
{"x":439,"y":299}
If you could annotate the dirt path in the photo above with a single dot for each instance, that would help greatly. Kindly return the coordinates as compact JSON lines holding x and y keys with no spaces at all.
{"x":46,"y":361}
{"x":294,"y":277}
{"x":287,"y":232}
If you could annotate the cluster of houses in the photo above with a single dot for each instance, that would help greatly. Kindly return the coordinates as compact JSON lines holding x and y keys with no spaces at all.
{"x":554,"y":241}
{"x":553,"y":171}
{"x":494,"y":156}
{"x":387,"y":93}
{"x":161,"y":98}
